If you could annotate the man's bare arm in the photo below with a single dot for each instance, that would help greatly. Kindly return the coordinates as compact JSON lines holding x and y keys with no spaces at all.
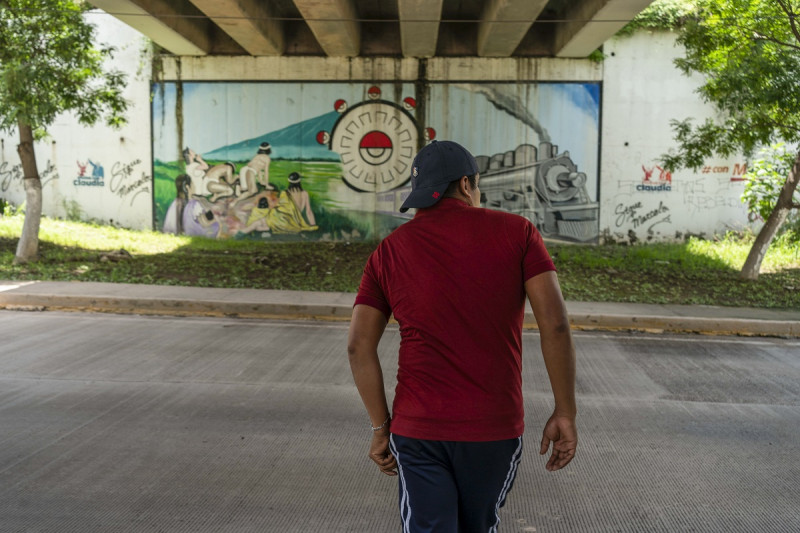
{"x":558,"y":351}
{"x":366,"y":329}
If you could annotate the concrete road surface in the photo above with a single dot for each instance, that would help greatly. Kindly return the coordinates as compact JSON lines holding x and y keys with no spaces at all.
{"x":112,"y":423}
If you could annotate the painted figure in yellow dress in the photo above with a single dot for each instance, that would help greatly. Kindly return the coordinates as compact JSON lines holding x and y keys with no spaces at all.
{"x":275,"y":212}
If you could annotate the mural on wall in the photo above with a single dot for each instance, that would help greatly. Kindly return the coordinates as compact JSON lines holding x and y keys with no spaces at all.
{"x":376,"y":140}
{"x":543,"y":185}
{"x":555,"y":190}
{"x":331,"y":161}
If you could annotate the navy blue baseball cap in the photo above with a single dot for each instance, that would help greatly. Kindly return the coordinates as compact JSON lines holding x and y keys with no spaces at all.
{"x":435,"y":166}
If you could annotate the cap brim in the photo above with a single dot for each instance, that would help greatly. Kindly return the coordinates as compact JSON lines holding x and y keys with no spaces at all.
{"x":426,"y":197}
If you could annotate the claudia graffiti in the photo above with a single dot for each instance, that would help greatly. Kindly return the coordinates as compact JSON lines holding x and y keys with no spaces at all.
{"x":96,"y":177}
{"x":655,"y":182}
{"x":332,"y":161}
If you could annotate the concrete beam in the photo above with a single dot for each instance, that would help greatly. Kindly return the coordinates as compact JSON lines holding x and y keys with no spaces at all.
{"x":419,"y":26}
{"x":504,"y":23}
{"x":334,"y":24}
{"x":249,"y":22}
{"x":294,"y":68}
{"x":179,"y":35}
{"x":591,"y":23}
{"x":440,"y":69}
{"x":511,"y":69}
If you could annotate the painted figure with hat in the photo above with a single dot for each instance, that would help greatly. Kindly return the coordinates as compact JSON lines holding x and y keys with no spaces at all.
{"x":456,"y":278}
{"x":277,"y":212}
{"x":256,"y":171}
{"x":300,"y":197}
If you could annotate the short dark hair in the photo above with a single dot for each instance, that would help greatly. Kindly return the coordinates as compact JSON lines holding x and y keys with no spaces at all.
{"x":294,"y":182}
{"x":452,"y":188}
{"x":182,"y":184}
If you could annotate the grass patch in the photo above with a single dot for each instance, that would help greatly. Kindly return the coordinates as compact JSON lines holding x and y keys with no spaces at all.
{"x":694,"y":272}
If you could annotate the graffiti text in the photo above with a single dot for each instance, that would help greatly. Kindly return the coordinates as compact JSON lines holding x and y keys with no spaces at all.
{"x":630,"y":213}
{"x":120,"y":183}
{"x":735,"y":175}
{"x":662,"y":187}
{"x":8,"y":175}
{"x":641,"y":219}
{"x":84,"y":181}
{"x":120,"y":172}
{"x":626,"y":212}
{"x":696,"y":203}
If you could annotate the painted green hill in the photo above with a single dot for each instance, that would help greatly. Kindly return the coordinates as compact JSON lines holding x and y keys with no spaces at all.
{"x":298,"y":142}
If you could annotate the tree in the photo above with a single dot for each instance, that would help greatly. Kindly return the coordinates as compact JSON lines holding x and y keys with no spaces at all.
{"x":49,"y":65}
{"x":765,"y":178}
{"x":749,"y":53}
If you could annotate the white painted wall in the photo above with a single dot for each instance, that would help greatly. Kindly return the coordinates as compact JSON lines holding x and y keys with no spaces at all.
{"x":642,"y":92}
{"x":125,"y":196}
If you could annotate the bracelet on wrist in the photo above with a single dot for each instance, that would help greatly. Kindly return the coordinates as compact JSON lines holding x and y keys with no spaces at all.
{"x":388,"y":418}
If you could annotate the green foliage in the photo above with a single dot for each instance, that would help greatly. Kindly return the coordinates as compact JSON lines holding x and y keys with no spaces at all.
{"x":72,"y":210}
{"x":49,"y":64}
{"x":597,"y":56}
{"x":765,"y":181}
{"x":749,"y":54}
{"x":696,"y":271}
{"x":661,"y":15}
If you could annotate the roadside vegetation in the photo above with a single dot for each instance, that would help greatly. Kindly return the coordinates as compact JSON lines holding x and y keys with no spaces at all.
{"x":692,"y":272}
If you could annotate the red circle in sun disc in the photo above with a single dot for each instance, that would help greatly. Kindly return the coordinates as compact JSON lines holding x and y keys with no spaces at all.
{"x":375,"y":139}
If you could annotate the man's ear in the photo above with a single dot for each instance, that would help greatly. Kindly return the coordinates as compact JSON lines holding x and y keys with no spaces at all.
{"x":464,"y":187}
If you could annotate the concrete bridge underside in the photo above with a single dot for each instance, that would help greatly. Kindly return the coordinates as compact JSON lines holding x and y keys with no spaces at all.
{"x":363,"y":28}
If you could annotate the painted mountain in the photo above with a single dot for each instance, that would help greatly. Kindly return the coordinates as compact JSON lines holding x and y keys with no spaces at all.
{"x":298,"y":142}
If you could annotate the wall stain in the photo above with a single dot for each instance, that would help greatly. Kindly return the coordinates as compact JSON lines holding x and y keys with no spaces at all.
{"x":421,"y":91}
{"x":179,"y":107}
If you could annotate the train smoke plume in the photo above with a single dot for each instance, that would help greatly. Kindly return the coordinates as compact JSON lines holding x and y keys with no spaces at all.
{"x":509,"y":103}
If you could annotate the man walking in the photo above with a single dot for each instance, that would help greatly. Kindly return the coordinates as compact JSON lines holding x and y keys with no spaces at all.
{"x":456,"y":277}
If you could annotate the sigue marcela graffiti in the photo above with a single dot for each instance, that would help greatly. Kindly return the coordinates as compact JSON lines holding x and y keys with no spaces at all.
{"x":331,"y":161}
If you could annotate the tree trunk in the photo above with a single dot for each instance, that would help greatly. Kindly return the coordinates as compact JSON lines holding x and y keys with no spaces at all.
{"x":752,"y":264}
{"x":28,"y":246}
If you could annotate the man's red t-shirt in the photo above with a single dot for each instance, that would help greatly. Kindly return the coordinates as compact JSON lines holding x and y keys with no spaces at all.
{"x":454,"y":279}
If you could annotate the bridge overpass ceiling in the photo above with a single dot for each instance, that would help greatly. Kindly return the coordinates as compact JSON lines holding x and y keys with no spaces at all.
{"x":419,"y":26}
{"x":175,"y":25}
{"x":585,"y":23}
{"x":504,"y":23}
{"x":251,"y":23}
{"x":369,"y":28}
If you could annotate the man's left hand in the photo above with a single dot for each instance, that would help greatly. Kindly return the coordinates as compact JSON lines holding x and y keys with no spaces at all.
{"x":562,"y":433}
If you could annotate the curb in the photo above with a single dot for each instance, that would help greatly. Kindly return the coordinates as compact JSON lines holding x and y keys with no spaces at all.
{"x":173,"y":307}
{"x":339,"y":312}
{"x":703,"y":326}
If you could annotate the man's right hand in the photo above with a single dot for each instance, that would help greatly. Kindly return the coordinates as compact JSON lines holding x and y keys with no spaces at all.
{"x":380,"y":453}
{"x":563,"y":434}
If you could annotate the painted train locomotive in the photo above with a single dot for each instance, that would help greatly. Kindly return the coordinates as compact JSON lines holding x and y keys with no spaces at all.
{"x":543,"y":186}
